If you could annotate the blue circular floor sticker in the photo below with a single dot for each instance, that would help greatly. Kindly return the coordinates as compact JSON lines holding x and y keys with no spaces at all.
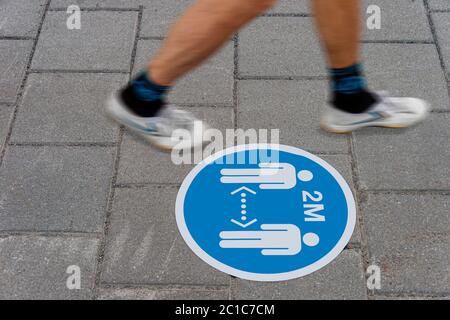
{"x":265,"y":212}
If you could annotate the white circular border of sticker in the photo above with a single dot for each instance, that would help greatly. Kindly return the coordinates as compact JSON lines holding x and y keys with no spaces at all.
{"x":330,"y":256}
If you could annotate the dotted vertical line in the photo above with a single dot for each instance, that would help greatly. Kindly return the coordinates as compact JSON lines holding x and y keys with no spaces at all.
{"x":243,"y":206}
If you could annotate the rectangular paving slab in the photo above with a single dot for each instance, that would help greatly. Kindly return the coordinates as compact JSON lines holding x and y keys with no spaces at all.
{"x":291,"y":106}
{"x":408,"y":238}
{"x":104,"y":42}
{"x":68,"y":108}
{"x":442,"y":24}
{"x":439,"y":4}
{"x":35,"y":267}
{"x":160,"y":15}
{"x":407,"y":70}
{"x":161,"y":294}
{"x":274,"y":47}
{"x":144,"y":245}
{"x":211,"y":84}
{"x":343,"y":278}
{"x":21,"y":18}
{"x":280,"y":46}
{"x":54,"y":188}
{"x":405,"y":159}
{"x":143,"y":163}
{"x":399,"y":20}
{"x":291,"y":7}
{"x":14,"y":55}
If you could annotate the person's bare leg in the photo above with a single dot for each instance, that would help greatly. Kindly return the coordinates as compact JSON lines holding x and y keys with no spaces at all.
{"x":142,"y":106}
{"x":353,"y":105}
{"x":202,"y":30}
{"x":338,"y":23}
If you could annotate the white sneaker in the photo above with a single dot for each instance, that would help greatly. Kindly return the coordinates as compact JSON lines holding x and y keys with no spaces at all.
{"x":387,"y":112}
{"x":159,"y":130}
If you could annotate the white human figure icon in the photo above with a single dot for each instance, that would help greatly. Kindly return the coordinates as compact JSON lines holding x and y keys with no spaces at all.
{"x":273,"y":239}
{"x":268,"y":176}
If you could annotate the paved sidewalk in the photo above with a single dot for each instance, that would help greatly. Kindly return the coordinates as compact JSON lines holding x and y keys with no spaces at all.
{"x":77,"y":190}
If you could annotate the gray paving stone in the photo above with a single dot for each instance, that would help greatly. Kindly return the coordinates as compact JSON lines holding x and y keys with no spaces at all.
{"x":65,"y":188}
{"x":211,"y":83}
{"x":288,"y":46}
{"x":20,"y":18}
{"x":400,"y":20}
{"x":442,"y":25}
{"x":68,"y":108}
{"x":34,"y":267}
{"x":341,"y":279}
{"x":144,"y":245}
{"x":280,"y":46}
{"x":97,"y":3}
{"x":13,"y":62}
{"x":439,"y":4}
{"x":342,"y":164}
{"x":141,"y":163}
{"x":148,"y":294}
{"x":105,"y":41}
{"x":160,"y":15}
{"x":411,"y":70}
{"x":54,"y":188}
{"x":291,"y":106}
{"x":408,"y":238}
{"x":5,"y":116}
{"x":291,"y":6}
{"x":397,"y":17}
{"x":404,"y":159}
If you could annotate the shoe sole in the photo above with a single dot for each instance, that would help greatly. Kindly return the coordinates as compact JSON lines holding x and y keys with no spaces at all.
{"x":417,"y":120}
{"x":344,"y":131}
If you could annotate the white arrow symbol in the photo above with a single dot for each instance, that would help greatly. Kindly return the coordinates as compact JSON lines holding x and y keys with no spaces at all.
{"x":244,"y":225}
{"x":243,"y":188}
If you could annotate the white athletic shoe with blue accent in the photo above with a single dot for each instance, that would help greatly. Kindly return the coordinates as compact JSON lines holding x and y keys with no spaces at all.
{"x":159,"y":130}
{"x":387,"y":112}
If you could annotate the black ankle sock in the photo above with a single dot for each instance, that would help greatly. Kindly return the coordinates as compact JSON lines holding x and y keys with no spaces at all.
{"x":349,"y":90}
{"x":144,"y":97}
{"x":355,"y":102}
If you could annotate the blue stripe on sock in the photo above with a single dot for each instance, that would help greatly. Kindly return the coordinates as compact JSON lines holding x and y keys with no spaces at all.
{"x":348,"y":80}
{"x":147,"y":90}
{"x":349,"y":85}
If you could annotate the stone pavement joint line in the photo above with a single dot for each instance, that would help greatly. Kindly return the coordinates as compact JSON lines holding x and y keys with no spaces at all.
{"x":101,"y":251}
{"x":438,"y":47}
